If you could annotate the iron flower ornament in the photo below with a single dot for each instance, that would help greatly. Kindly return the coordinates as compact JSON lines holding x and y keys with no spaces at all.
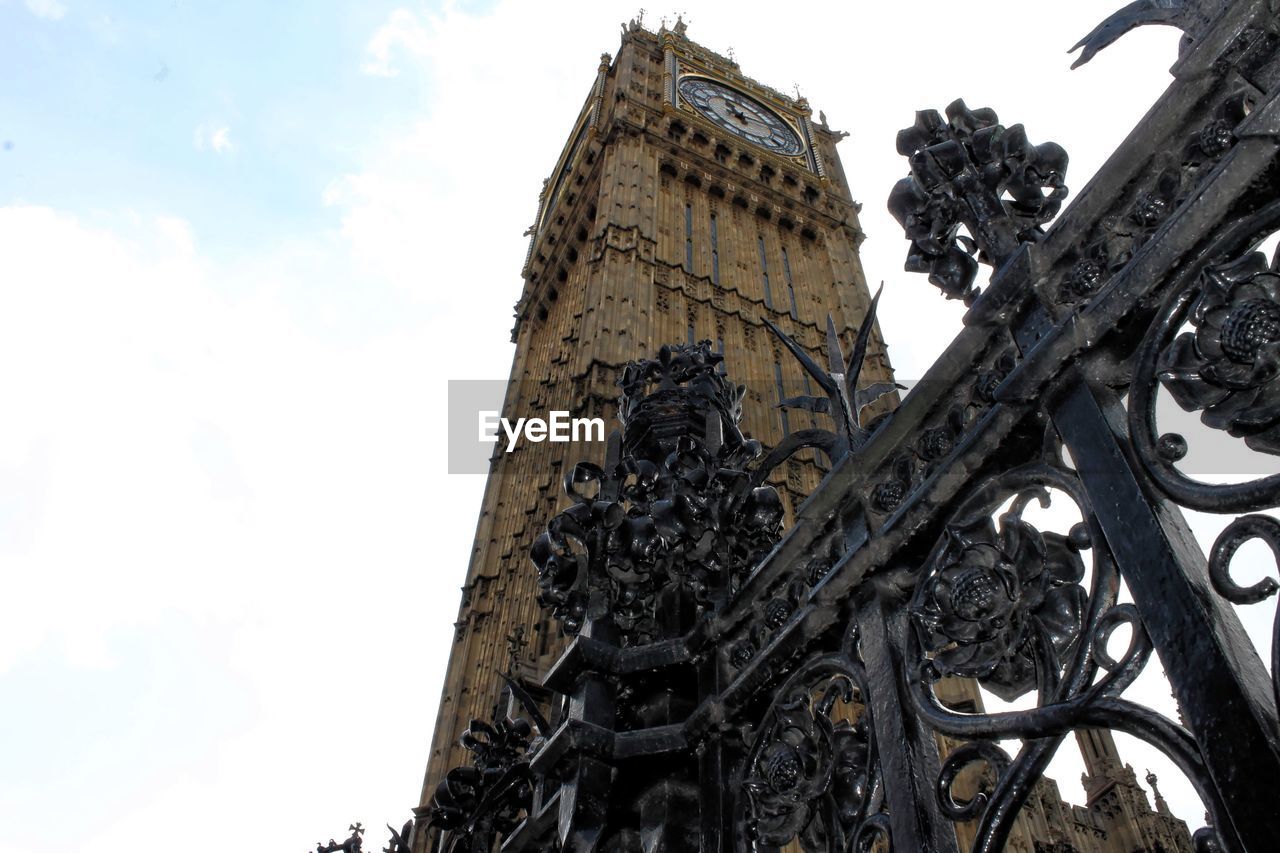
{"x":1226,"y":366}
{"x":812,"y":775}
{"x":998,"y":594}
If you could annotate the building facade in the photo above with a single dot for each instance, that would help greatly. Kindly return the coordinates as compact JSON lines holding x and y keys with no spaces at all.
{"x":690,"y":203}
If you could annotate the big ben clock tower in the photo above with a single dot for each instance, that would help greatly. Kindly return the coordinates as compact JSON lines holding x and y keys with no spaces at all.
{"x":689,"y":203}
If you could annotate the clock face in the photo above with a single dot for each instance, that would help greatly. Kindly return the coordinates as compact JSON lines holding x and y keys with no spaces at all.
{"x":740,"y":114}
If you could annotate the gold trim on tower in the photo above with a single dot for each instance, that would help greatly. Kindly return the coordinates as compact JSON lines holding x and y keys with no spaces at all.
{"x":597,"y":99}
{"x":668,"y":73}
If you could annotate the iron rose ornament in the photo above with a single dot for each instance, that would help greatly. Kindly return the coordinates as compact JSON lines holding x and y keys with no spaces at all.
{"x":811,"y":774}
{"x":1226,"y":367}
{"x":996,"y":595}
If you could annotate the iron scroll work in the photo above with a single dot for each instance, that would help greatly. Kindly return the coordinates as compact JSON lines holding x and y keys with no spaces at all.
{"x":735,"y":686}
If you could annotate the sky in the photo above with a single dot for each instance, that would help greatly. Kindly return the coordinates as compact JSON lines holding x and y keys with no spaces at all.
{"x":243,"y":248}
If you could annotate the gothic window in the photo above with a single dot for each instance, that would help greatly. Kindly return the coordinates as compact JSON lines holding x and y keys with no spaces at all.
{"x":791,"y":290}
{"x":715,"y":253}
{"x":688,"y":238}
{"x":782,"y":395}
{"x":764,"y":272}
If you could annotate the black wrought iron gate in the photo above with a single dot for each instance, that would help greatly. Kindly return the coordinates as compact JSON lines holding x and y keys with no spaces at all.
{"x":734,"y":686}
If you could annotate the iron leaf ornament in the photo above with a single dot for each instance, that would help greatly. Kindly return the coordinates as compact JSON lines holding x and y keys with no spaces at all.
{"x":844,"y":400}
{"x":1187,"y":15}
{"x":401,"y":840}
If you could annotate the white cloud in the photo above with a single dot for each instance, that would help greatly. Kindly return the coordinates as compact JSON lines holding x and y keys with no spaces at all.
{"x":220,"y":141}
{"x":50,"y":10}
{"x":416,"y":213}
{"x":213,"y":137}
{"x":227,"y":466}
{"x":402,"y":30}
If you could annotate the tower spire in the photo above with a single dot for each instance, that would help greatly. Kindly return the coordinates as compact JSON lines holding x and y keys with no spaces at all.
{"x":1161,"y":806}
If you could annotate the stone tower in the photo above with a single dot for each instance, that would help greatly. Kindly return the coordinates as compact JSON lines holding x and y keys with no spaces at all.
{"x":690,"y":202}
